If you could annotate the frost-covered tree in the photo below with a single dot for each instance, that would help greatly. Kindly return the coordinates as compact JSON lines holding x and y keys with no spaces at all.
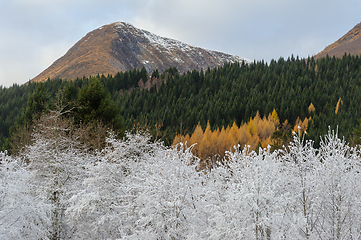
{"x":301,"y":165}
{"x":296,"y":193}
{"x":136,"y":190}
{"x":170,"y":206}
{"x":23,"y":215}
{"x":245,"y":197}
{"x":324,"y":189}
{"x":105,"y":208}
{"x":139,"y":189}
{"x":340,"y":189}
{"x":56,"y":160}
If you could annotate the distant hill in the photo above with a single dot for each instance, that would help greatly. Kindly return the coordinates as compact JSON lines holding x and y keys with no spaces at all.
{"x":121,"y":47}
{"x":349,"y":43}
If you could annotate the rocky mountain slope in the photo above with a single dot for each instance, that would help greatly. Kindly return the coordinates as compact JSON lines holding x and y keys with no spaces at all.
{"x":350,"y":43}
{"x":121,"y":47}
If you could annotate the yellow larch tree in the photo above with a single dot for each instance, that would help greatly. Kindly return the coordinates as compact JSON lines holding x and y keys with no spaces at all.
{"x":251,"y":127}
{"x":339,"y":102}
{"x":177,"y":139}
{"x":233,"y":136}
{"x":223,"y":141}
{"x":196,"y":137}
{"x":214,"y":142}
{"x":186,"y":140}
{"x":244,"y":136}
{"x":265,"y":128}
{"x":205,"y":147}
{"x":300,"y":125}
{"x":274,"y":118}
{"x":220,"y":140}
{"x":311,"y":108}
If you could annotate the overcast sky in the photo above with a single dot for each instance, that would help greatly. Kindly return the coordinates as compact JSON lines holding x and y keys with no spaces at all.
{"x":34,"y":33}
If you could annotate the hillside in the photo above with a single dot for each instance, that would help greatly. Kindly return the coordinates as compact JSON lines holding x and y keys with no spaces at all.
{"x":119,"y":47}
{"x":349,"y":43}
{"x":235,"y":93}
{"x":175,"y":104}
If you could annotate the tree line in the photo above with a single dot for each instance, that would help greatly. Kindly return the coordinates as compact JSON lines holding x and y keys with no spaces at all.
{"x":167,"y":104}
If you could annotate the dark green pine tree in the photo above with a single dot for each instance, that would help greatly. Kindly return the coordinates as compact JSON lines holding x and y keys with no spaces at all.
{"x":95,"y":105}
{"x":36,"y":105}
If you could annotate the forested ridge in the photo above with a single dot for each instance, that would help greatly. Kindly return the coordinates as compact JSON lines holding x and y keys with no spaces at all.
{"x":168,"y":104}
{"x":234,"y":93}
{"x":81,"y":166}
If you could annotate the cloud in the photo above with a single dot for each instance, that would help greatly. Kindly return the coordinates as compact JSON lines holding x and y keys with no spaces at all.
{"x":34,"y":33}
{"x":259,"y":29}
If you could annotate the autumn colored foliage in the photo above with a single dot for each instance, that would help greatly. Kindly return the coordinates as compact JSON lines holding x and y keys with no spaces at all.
{"x":256,"y":133}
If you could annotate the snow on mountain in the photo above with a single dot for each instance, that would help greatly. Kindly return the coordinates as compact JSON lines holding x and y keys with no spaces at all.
{"x":121,"y":46}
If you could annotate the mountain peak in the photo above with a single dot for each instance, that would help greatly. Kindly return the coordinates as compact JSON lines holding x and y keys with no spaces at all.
{"x":349,"y":43}
{"x":120,"y":46}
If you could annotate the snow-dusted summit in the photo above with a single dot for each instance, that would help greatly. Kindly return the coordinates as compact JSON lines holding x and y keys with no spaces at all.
{"x":121,"y":46}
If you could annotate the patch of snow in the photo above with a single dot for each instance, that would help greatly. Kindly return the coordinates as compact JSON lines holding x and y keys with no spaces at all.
{"x":177,"y":60}
{"x":167,"y":44}
{"x":160,"y":42}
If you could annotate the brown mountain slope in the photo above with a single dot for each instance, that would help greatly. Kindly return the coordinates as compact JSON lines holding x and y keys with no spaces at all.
{"x":350,"y":43}
{"x":121,"y":47}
